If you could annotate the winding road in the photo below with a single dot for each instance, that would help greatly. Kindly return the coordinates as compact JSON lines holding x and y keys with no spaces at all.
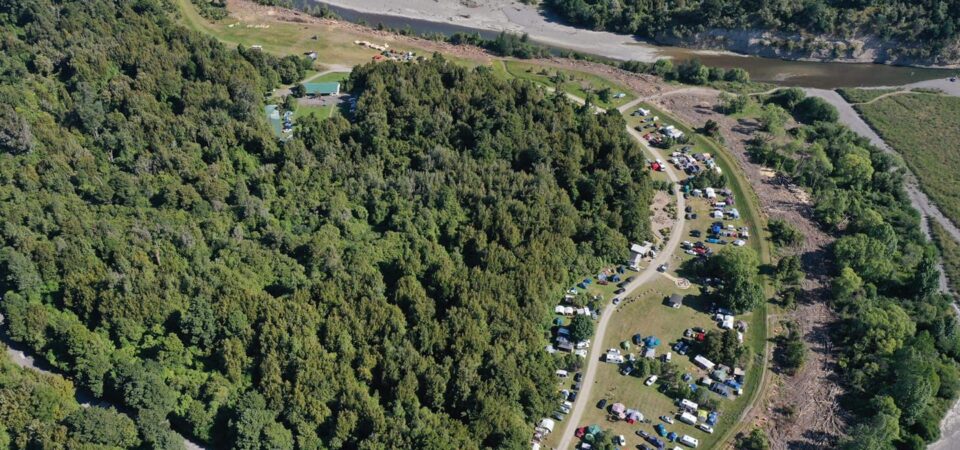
{"x":593,"y":357}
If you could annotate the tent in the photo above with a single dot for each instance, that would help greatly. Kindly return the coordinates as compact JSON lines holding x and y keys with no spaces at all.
{"x":651,"y":341}
{"x":558,"y":321}
{"x":547,"y":424}
{"x":618,"y":408}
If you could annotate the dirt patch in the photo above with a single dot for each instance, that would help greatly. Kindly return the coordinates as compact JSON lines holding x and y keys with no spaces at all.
{"x":663,"y":211}
{"x":799,"y":411}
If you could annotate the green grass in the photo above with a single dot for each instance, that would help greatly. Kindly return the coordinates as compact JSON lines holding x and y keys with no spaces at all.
{"x":925,"y":130}
{"x":853,"y":95}
{"x":329,"y":77}
{"x":334,"y":45}
{"x":320,"y":111}
{"x":747,"y":203}
{"x":949,"y":252}
{"x":580,"y":84}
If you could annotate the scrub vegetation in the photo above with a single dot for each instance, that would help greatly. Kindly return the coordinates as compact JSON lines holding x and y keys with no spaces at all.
{"x":897,"y":335}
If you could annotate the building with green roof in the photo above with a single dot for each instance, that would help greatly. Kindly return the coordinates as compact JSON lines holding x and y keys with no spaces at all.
{"x":327,"y":88}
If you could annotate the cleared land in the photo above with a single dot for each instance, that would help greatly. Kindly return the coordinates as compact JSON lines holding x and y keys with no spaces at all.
{"x":925,"y":130}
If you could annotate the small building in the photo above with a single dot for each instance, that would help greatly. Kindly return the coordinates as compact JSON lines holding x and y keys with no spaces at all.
{"x":675,"y":301}
{"x":703,"y":362}
{"x":638,"y":252}
{"x":311,"y":55}
{"x":321,"y":89}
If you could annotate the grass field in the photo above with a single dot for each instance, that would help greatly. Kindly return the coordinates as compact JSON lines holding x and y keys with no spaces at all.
{"x":580,"y":84}
{"x":862,"y":95}
{"x":333,"y":44}
{"x":747,"y":202}
{"x":925,"y":130}
{"x":320,"y":111}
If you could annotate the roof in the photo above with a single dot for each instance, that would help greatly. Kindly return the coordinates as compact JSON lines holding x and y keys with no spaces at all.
{"x":322,"y":88}
{"x":676,"y":299}
{"x":641,"y":249}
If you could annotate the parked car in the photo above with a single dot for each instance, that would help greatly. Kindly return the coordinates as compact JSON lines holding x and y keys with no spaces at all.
{"x":663,"y":267}
{"x":557,"y":415}
{"x":667,"y":419}
{"x":578,"y":377}
{"x":706,"y":428}
{"x":602,"y":403}
{"x":572,"y":397}
{"x":651,"y":380}
{"x":695,"y":233}
{"x":619,"y":291}
{"x":616,"y":301}
{"x":739,"y":242}
{"x":661,"y":430}
{"x":621,"y":440}
{"x":631,"y":278}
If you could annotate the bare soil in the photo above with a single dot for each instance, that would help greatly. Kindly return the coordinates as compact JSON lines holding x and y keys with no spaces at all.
{"x":799,"y":411}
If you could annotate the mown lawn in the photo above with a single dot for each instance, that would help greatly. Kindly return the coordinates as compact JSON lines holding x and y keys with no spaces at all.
{"x":925,"y":130}
{"x":853,"y":95}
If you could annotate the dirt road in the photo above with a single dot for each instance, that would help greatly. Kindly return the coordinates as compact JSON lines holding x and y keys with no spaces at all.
{"x":593,"y":357}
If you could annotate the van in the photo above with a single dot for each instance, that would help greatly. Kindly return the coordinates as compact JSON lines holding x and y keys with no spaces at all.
{"x":688,"y":440}
{"x":688,"y":418}
{"x":562,"y":373}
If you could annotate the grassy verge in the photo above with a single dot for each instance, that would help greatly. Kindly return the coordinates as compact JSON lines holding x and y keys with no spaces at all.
{"x":925,"y":130}
{"x":853,"y":96}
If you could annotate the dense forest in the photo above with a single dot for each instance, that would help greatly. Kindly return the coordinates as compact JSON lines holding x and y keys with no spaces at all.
{"x":898,"y":337}
{"x":928,"y":27}
{"x":381,"y":281}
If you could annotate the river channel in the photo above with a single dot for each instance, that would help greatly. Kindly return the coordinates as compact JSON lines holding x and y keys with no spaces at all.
{"x":447,"y":17}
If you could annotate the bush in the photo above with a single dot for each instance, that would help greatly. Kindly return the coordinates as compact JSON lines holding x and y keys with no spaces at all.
{"x":815,"y":109}
{"x":784,"y":234}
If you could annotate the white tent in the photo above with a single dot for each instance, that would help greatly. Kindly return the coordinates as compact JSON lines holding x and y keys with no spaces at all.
{"x":547,"y":424}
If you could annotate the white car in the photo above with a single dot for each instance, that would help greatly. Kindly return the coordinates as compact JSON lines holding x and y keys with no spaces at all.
{"x":621,"y":440}
{"x":690,"y":252}
{"x":581,"y":352}
{"x":651,"y":380}
{"x":739,"y":242}
{"x":706,"y":428}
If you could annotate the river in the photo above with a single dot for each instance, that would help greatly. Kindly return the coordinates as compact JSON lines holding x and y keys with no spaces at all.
{"x":489,"y":17}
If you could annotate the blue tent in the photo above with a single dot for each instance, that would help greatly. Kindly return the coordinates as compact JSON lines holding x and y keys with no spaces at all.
{"x":558,"y":321}
{"x":651,"y":341}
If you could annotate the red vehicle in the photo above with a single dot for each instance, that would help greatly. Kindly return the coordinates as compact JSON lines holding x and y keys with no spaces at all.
{"x":701,"y":337}
{"x":580,"y":432}
{"x":656,"y":167}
